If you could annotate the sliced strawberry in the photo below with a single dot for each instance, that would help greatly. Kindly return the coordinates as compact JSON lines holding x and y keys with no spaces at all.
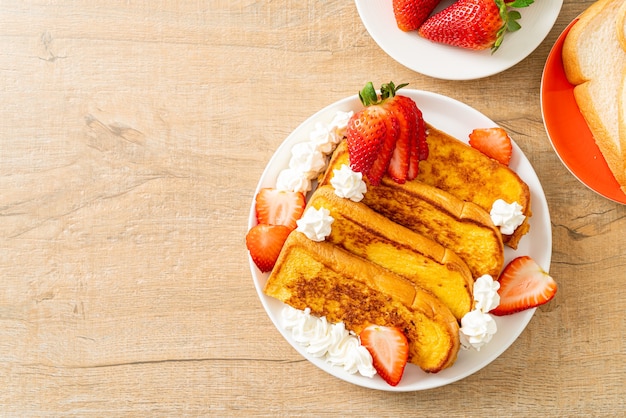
{"x":410,"y":14}
{"x":389,"y":349}
{"x":264,"y":243}
{"x":523,"y":285}
{"x":365,"y":134}
{"x":405,"y":110}
{"x":381,"y":163}
{"x":279,"y":207}
{"x":493,"y":142}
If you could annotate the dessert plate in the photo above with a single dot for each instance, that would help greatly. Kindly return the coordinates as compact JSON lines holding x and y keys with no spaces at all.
{"x":567,"y":130}
{"x":451,"y":63}
{"x":458,"y":120}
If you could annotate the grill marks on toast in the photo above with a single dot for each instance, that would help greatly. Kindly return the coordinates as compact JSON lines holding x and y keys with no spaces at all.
{"x":366,"y":233}
{"x":343,"y":287}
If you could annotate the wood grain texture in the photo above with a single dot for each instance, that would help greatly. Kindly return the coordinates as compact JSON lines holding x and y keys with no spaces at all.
{"x":132,"y":135}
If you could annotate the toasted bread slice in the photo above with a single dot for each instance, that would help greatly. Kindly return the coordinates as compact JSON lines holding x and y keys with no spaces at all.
{"x":594,"y":61}
{"x":366,"y":233}
{"x":343,"y":287}
{"x":463,"y":227}
{"x":471,"y":176}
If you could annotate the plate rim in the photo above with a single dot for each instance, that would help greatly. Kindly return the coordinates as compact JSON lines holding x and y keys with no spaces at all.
{"x":554,"y":59}
{"x":521,"y":319}
{"x":544,"y":26}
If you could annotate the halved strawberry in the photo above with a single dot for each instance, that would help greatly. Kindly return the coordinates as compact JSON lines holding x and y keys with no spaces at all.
{"x":523,"y":285}
{"x":493,"y":142}
{"x":389,"y":349}
{"x":264,"y":243}
{"x":279,"y":207}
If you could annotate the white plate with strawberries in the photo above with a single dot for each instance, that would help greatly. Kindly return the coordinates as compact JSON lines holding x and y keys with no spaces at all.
{"x":451,"y":62}
{"x":458,"y":120}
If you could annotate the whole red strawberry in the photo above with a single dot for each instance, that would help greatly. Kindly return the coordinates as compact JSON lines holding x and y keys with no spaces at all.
{"x":474,"y":24}
{"x":410,"y":14}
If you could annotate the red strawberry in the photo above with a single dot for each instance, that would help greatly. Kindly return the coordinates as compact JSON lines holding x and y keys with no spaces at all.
{"x":523,"y":285}
{"x":389,"y":349}
{"x":407,"y":144}
{"x":410,"y":14}
{"x":278,"y":207}
{"x":419,"y":151}
{"x":493,"y":142}
{"x":264,"y":243}
{"x":474,"y":24}
{"x":381,"y":163}
{"x":381,"y":137}
{"x":365,"y":134}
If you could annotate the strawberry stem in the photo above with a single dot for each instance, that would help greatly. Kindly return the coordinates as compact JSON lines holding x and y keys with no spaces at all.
{"x":368,"y":95}
{"x":509,"y":18}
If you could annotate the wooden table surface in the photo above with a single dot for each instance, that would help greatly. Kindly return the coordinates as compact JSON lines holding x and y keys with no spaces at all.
{"x":132,"y":137}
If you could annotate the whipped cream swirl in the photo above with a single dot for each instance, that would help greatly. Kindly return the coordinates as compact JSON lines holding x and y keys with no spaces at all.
{"x":309,"y":158}
{"x":329,"y":341}
{"x":508,"y":216}
{"x":478,"y":326}
{"x":315,"y":223}
{"x":486,"y":295}
{"x":477,"y":329}
{"x":348,"y":184}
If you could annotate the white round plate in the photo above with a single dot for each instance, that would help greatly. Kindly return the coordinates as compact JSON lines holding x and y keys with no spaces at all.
{"x":458,"y":120}
{"x":452,"y":63}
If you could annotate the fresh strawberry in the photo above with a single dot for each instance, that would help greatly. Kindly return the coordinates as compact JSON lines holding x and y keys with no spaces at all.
{"x":264,"y":243}
{"x":389,"y":349}
{"x":365,"y":135}
{"x":381,"y":163}
{"x":380,"y":137}
{"x":278,"y":207}
{"x":523,"y":285}
{"x":474,"y":24}
{"x":493,"y":142}
{"x":406,"y":152}
{"x":410,"y":14}
{"x":419,"y":151}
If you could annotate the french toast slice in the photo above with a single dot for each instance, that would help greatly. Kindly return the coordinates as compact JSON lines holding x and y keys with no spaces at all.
{"x":366,"y":233}
{"x":470,"y":175}
{"x":344,"y":287}
{"x":463,"y":227}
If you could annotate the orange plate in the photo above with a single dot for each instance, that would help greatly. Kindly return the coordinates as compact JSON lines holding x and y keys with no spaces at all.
{"x":568,"y":131}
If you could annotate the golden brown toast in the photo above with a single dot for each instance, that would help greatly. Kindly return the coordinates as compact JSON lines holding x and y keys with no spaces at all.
{"x":366,"y":233}
{"x":343,"y":287}
{"x":463,"y":227}
{"x":470,"y":175}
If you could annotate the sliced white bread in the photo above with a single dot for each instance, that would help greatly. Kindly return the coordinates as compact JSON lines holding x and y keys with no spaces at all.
{"x":594,"y":62}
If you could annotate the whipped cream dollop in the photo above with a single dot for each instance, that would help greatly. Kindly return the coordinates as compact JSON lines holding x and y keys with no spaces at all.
{"x":486,"y":295}
{"x":294,"y":180}
{"x":329,"y":341}
{"x":478,"y":326}
{"x":315,"y":223}
{"x":508,"y":216}
{"x":310,"y":157}
{"x":307,"y":159}
{"x":477,"y":329}
{"x":348,"y":184}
